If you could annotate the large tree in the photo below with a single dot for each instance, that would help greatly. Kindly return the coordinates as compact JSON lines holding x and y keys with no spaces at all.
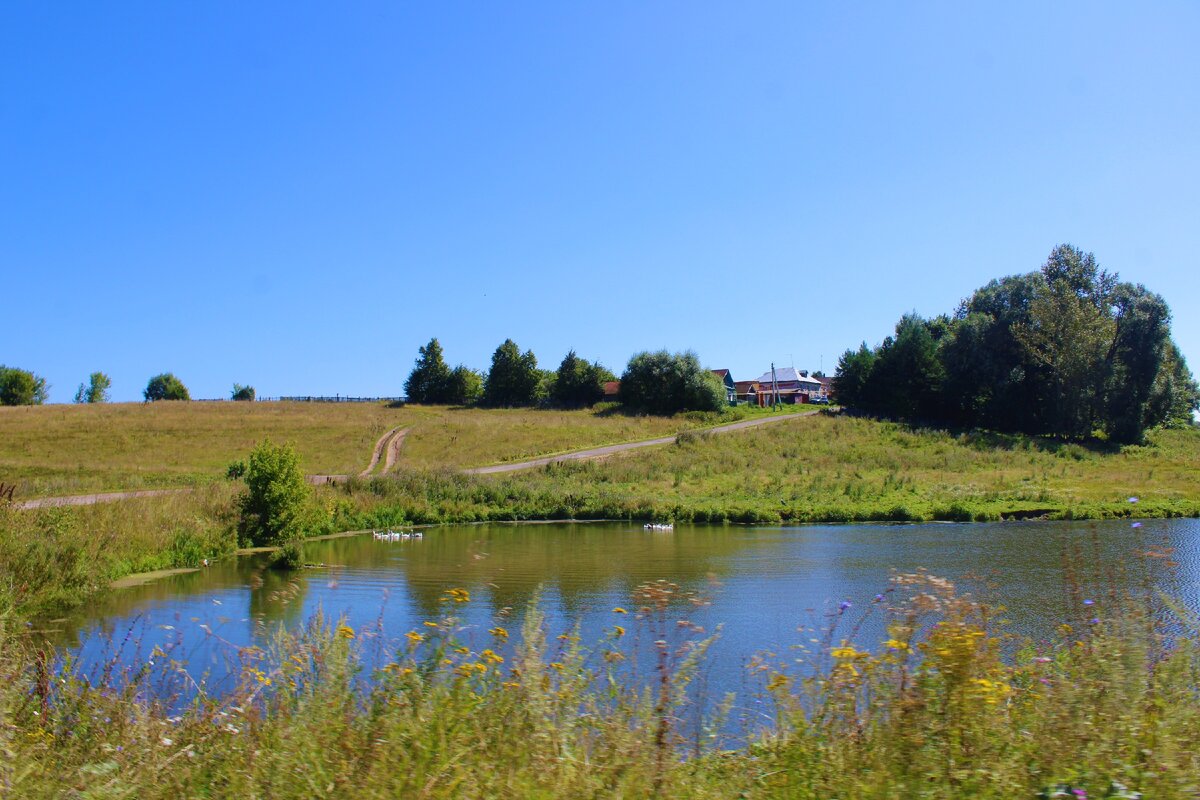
{"x":513,"y":378}
{"x":578,"y":382}
{"x":20,"y":387}
{"x":429,"y":381}
{"x":1069,"y":350}
{"x":165,"y":387}
{"x":665,"y":383}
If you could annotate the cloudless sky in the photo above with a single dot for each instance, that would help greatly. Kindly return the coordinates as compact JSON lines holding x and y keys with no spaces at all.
{"x":298,"y":195}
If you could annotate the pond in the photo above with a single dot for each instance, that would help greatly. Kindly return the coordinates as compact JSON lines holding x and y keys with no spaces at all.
{"x":767,"y":588}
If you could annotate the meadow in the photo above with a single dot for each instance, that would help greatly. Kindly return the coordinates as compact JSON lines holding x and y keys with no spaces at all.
{"x":828,"y":468}
{"x":73,"y":449}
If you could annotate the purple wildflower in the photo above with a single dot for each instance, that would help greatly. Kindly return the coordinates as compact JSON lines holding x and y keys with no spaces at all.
{"x":1133,"y":499}
{"x":878,"y":598}
{"x":1080,"y":793}
{"x":1089,"y":602}
{"x":842,"y":606}
{"x":1136,"y":525}
{"x":1094,"y":620}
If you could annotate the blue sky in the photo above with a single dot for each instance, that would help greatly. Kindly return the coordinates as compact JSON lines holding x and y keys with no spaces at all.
{"x":297,"y":196}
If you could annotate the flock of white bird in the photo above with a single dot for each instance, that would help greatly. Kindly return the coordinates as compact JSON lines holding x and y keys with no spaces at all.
{"x":658,"y":526}
{"x":397,"y":536}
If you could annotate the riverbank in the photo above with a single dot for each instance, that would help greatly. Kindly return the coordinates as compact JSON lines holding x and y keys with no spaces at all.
{"x":827,"y":468}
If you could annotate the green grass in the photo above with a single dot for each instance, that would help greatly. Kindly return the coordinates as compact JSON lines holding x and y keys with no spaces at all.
{"x":821,"y":469}
{"x":72,"y":449}
{"x":933,"y":712}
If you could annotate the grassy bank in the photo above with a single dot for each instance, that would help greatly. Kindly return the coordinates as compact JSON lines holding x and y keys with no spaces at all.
{"x":824,"y":469}
{"x":71,"y":449}
{"x":1107,"y":709}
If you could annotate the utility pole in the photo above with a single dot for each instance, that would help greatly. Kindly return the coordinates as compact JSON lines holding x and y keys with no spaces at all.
{"x":774,"y":388}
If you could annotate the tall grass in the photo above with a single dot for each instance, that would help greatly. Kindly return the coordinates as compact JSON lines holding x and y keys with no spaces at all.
{"x":1107,"y":709}
{"x":828,"y":469}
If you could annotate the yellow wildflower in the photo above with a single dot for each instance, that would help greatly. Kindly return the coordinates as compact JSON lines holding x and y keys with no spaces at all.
{"x":619,"y":610}
{"x":556,"y":665}
{"x":459,"y":595}
{"x":618,"y":631}
{"x":498,"y":632}
{"x":491,"y":656}
{"x":345,"y":631}
{"x":895,"y":644}
{"x":414,"y":637}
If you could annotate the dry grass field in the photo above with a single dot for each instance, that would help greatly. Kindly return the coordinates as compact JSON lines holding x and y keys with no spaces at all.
{"x":71,"y":449}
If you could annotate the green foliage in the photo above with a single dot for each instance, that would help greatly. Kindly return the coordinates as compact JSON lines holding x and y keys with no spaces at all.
{"x":242,"y":393}
{"x":19,"y":387}
{"x":578,"y":383}
{"x":464,"y":388}
{"x":662,"y":383}
{"x":513,"y":379}
{"x":1068,"y":351}
{"x":96,"y":389}
{"x":165,"y":387}
{"x":275,"y":509}
{"x":429,"y":381}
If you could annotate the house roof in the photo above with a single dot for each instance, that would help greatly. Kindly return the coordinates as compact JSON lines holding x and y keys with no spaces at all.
{"x":611,"y":388}
{"x":787,"y":375}
{"x":720,"y":373}
{"x":746,"y":386}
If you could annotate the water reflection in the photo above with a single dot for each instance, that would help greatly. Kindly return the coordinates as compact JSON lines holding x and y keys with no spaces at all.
{"x":764,"y":583}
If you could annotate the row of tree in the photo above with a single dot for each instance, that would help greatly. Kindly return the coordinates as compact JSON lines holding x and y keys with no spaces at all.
{"x":20,"y":387}
{"x":657,"y":383}
{"x":1069,"y":350}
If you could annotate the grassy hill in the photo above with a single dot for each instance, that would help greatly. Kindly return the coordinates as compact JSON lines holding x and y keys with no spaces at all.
{"x":827,"y":468}
{"x":67,"y":449}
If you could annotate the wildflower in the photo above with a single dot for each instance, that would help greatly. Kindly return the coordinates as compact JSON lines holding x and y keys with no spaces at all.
{"x":414,"y":637}
{"x":1136,"y":525}
{"x":1133,"y":499}
{"x":491,"y":656}
{"x":878,"y":598}
{"x":345,"y":631}
{"x":895,"y":644}
{"x":498,"y":632}
{"x":846,"y":652}
{"x":612,"y":656}
{"x":459,"y":595}
{"x":462,"y":651}
{"x":1042,"y":660}
{"x":778,"y":681}
{"x":1094,"y":620}
{"x":618,"y":631}
{"x":845,"y":604}
{"x":1089,"y":602}
{"x":166,"y":742}
{"x":429,"y":624}
{"x":556,"y":665}
{"x":619,"y":610}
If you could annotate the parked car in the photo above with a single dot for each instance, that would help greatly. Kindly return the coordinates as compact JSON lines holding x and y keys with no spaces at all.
{"x":819,"y":401}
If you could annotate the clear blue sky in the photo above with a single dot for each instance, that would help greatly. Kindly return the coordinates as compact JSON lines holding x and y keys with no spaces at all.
{"x":298,"y":195}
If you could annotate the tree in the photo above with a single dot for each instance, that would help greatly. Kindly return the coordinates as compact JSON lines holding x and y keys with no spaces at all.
{"x":464,"y":387}
{"x":906,"y":376}
{"x":578,"y":383}
{"x":854,"y":367}
{"x":19,"y":387}
{"x":429,"y":381}
{"x":662,"y":383}
{"x":165,"y":387}
{"x":275,"y":510}
{"x":243,"y":393}
{"x":96,"y":390}
{"x":513,"y":378}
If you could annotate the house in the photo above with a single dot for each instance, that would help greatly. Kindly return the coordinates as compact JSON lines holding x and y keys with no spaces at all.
{"x":747,"y":391}
{"x":791,"y":386}
{"x":612,"y":391}
{"x":730,"y":385}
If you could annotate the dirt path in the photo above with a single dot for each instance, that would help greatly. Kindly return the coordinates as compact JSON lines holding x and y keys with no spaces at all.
{"x":601,"y":452}
{"x":91,"y":499}
{"x":393,"y":451}
{"x":377,"y":453}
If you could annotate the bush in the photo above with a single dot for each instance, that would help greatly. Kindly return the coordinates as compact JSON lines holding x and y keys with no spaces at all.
{"x":243,"y":393}
{"x":19,"y":387}
{"x":165,"y":387}
{"x":276,"y":508}
{"x":95,"y":390}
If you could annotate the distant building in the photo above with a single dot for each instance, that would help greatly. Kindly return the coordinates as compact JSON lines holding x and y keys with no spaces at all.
{"x":792,"y":386}
{"x":730,"y":385}
{"x":612,"y":390}
{"x":747,"y":391}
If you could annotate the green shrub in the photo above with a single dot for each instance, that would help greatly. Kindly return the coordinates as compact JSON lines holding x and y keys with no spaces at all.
{"x":276,"y":508}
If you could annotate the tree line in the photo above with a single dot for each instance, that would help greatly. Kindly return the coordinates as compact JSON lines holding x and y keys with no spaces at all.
{"x":20,"y":387}
{"x":1069,"y":350}
{"x":657,"y":383}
